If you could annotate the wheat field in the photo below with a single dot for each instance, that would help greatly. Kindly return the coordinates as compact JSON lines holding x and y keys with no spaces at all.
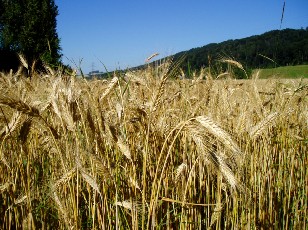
{"x":147,"y":150}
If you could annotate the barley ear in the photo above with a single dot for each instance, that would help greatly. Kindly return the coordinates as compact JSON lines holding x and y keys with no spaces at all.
{"x":20,"y":106}
{"x":111,"y":86}
{"x":258,"y":129}
{"x":23,"y":61}
{"x":221,"y":134}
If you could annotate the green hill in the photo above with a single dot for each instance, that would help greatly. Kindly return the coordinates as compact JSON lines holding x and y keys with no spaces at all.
{"x":269,"y":50}
{"x":298,"y":71}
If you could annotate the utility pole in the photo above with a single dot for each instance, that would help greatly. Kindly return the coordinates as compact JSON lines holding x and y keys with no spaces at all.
{"x":92,"y":66}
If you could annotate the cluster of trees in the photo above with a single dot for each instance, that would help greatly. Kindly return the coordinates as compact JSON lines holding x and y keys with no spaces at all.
{"x":28,"y":27}
{"x":271,"y":49}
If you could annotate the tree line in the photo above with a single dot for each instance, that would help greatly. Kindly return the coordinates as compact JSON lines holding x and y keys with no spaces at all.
{"x":271,"y":49}
{"x":28,"y":27}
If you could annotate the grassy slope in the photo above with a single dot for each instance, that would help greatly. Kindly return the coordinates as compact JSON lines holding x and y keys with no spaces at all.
{"x":299,"y":71}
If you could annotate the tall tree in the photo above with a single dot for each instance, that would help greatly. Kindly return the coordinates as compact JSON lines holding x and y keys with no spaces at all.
{"x":29,"y":27}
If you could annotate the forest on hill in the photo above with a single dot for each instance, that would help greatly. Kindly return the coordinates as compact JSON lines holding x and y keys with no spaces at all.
{"x":271,"y":49}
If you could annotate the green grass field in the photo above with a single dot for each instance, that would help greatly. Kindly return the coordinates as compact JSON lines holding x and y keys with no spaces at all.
{"x":299,"y":71}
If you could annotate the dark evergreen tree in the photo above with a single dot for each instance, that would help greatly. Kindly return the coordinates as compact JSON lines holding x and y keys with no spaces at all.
{"x":29,"y":27}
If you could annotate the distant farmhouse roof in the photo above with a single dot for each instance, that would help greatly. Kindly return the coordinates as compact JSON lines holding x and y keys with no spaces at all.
{"x":95,"y":73}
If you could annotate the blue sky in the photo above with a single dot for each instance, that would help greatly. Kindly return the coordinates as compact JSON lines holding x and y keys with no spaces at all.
{"x":123,"y":34}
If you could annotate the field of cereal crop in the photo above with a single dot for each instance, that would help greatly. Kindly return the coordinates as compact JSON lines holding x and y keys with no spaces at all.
{"x":144,"y":150}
